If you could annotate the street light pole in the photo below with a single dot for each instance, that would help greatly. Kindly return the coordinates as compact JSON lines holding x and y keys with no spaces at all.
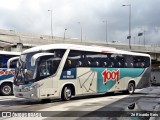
{"x":144,"y":37}
{"x":65,"y":33}
{"x":51,"y":24}
{"x":81,"y":31}
{"x":106,"y":30}
{"x":129,"y":37}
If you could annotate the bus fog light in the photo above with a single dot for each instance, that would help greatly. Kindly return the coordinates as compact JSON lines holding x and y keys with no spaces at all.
{"x":32,"y":95}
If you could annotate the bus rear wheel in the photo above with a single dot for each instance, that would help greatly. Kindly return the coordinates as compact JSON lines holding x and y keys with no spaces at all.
{"x":131,"y":88}
{"x":66,"y":93}
{"x":6,"y":89}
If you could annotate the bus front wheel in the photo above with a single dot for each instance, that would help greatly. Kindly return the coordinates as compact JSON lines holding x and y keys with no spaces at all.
{"x":131,"y":88}
{"x":6,"y":89}
{"x":66,"y":93}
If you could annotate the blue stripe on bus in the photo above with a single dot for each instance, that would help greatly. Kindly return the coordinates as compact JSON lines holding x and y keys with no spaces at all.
{"x":6,"y":74}
{"x":3,"y":77}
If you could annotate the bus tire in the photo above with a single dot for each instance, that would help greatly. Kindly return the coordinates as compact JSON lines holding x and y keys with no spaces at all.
{"x":6,"y":89}
{"x":66,"y":93}
{"x":131,"y":88}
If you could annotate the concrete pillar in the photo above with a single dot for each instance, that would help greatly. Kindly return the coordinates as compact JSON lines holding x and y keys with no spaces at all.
{"x":19,"y":47}
{"x":155,"y":76}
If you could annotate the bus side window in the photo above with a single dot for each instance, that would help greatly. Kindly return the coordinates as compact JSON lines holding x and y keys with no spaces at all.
{"x":102,"y":60}
{"x":1,"y":64}
{"x":147,"y":62}
{"x":88,"y":62}
{"x":74,"y":59}
{"x":104,"y":64}
{"x":128,"y":61}
{"x":55,"y":63}
{"x":125,"y":65}
{"x":112,"y":65}
{"x":48,"y":66}
{"x":43,"y":69}
{"x":79,"y":64}
{"x":95,"y":59}
{"x":142,"y":64}
{"x":131,"y":64}
{"x":68,"y":64}
{"x":13,"y":64}
{"x":139,"y":62}
{"x":97,"y":64}
{"x":3,"y":61}
{"x":119,"y":64}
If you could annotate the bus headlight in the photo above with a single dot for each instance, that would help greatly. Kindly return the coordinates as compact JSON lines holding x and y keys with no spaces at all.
{"x":26,"y":88}
{"x":30,"y":88}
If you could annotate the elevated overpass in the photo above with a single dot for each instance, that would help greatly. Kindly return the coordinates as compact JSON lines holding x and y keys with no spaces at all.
{"x":17,"y":41}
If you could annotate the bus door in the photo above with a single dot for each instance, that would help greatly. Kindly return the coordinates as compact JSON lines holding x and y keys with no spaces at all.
{"x":46,"y":68}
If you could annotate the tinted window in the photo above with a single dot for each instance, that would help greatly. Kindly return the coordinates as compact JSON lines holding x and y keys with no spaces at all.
{"x":105,"y":60}
{"x":93,"y":59}
{"x":13,"y":64}
{"x":141,"y":62}
{"x":48,"y":65}
{"x":89,"y":59}
{"x":4,"y":59}
{"x":75,"y":59}
{"x":128,"y":61}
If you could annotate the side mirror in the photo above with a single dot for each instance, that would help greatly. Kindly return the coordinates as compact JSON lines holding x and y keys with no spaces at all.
{"x":37,"y":56}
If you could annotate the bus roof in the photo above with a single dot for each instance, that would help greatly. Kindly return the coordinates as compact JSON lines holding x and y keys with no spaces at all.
{"x":92,"y":48}
{"x":9,"y":53}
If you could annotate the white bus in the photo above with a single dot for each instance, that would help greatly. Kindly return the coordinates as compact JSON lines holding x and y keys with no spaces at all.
{"x":66,"y":70}
{"x":6,"y":75}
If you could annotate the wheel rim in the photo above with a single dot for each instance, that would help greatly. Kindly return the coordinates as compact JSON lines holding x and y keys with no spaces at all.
{"x":6,"y":89}
{"x":68,"y":93}
{"x":131,"y":88}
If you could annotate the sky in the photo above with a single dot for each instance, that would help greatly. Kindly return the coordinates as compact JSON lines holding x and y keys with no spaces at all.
{"x":90,"y":16}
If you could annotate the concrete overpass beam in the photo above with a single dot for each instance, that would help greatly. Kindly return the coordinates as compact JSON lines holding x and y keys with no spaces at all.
{"x":19,"y":47}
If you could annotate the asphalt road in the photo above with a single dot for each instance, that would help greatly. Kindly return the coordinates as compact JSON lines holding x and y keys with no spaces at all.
{"x":110,"y":106}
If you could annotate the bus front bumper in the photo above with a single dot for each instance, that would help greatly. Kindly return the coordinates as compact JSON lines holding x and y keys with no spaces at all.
{"x":29,"y":95}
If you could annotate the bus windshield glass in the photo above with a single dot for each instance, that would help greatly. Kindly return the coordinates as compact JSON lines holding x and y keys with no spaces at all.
{"x":45,"y":66}
{"x":24,"y":72}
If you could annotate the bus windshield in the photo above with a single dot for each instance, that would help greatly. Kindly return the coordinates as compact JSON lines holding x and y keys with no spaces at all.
{"x":24,"y":72}
{"x":45,"y":66}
